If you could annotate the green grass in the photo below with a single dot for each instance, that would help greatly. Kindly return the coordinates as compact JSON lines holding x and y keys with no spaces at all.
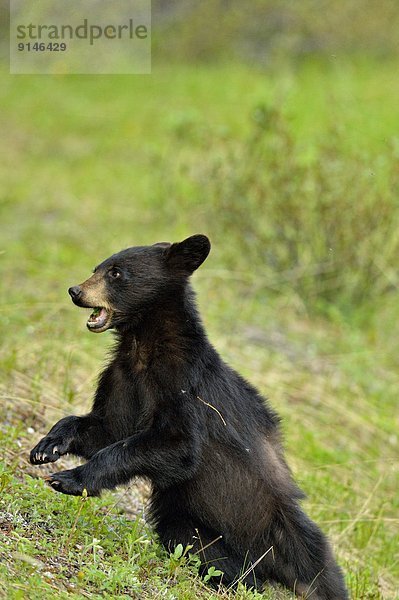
{"x":89,"y":165}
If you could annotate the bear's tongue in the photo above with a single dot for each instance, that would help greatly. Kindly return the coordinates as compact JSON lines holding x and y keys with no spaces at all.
{"x":98,"y":317}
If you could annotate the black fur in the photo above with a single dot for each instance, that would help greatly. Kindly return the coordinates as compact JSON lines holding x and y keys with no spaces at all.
{"x":169,"y":409}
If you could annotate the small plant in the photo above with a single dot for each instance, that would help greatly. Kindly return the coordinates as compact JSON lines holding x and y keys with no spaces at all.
{"x":5,"y":479}
{"x":181,"y":557}
{"x":212,"y":572}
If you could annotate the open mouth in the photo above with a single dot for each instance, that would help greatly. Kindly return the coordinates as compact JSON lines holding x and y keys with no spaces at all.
{"x":99,"y":319}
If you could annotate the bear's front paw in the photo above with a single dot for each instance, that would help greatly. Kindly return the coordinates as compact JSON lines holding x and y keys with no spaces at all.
{"x":49,"y":449}
{"x":70,"y":482}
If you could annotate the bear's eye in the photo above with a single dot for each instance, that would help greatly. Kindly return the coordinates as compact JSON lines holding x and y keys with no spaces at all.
{"x":114,"y":273}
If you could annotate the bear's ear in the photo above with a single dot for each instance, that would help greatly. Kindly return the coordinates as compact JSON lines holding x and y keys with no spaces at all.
{"x":188,"y":255}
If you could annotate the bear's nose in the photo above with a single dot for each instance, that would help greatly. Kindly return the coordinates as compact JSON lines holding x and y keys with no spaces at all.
{"x":75,"y":292}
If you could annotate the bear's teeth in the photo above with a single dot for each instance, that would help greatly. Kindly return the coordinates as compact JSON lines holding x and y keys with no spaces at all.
{"x":95,"y":314}
{"x":98,"y":317}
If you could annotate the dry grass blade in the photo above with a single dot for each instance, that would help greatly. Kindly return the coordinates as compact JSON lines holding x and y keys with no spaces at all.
{"x":213,"y":408}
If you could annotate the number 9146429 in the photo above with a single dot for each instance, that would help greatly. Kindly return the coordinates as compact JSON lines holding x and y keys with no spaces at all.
{"x":42,"y":47}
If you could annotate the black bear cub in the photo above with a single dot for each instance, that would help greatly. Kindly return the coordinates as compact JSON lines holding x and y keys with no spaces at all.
{"x":169,"y":409}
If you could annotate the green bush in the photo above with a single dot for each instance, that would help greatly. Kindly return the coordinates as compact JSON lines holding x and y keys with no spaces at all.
{"x":324,"y":225}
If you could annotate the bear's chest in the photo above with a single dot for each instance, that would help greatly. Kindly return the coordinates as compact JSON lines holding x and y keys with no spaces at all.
{"x":129,"y":406}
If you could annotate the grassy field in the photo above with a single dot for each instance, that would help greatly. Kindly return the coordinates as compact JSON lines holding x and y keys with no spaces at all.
{"x":294,"y":176}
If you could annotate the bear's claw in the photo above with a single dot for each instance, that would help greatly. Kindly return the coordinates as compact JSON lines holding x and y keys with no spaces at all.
{"x":67,"y":482}
{"x":45,"y":451}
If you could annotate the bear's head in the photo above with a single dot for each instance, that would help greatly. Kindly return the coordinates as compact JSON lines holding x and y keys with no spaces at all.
{"x":129,"y":284}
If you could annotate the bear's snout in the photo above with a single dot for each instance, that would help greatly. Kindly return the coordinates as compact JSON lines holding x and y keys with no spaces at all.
{"x":75,"y":292}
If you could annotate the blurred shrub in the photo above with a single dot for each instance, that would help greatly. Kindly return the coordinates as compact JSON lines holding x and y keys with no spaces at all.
{"x":326,"y":228}
{"x":268,"y":30}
